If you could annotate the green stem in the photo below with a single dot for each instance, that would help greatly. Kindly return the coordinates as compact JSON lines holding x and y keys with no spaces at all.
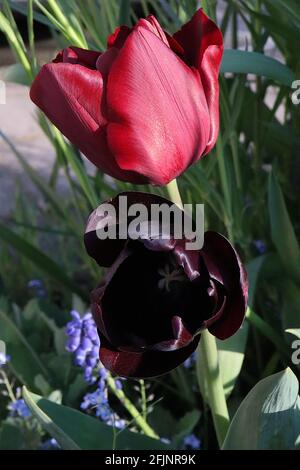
{"x":174,"y":193}
{"x":144,"y":399}
{"x":217,"y":401}
{"x":8,"y":386}
{"x":208,"y":347}
{"x":138,"y":418}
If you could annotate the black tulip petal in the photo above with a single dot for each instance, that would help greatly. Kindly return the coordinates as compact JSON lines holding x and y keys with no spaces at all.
{"x":224,"y":265}
{"x":145,"y":364}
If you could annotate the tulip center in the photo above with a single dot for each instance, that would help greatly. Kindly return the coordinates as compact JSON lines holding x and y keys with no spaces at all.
{"x":170,"y":274}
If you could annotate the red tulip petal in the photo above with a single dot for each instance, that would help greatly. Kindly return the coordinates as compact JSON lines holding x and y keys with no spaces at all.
{"x":224,"y":265}
{"x":143,"y":365}
{"x":157,"y":125}
{"x":118,"y":37}
{"x":202,"y":42}
{"x":152,"y":25}
{"x":71,"y":95}
{"x":106,"y":60}
{"x":76,"y":55}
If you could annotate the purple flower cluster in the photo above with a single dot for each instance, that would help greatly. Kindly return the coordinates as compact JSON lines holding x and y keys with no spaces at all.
{"x":98,"y":401}
{"x":84,"y":343}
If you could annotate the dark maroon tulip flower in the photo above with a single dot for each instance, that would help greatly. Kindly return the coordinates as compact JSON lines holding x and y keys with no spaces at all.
{"x":145,"y":109}
{"x":157,"y":296}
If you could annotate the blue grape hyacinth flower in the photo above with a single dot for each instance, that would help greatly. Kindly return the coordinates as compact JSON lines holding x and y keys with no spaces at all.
{"x":19,"y":409}
{"x":98,"y":401}
{"x":191,"y":442}
{"x":84,"y":343}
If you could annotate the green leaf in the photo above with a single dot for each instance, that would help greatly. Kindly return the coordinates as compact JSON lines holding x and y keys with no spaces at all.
{"x":185,"y":426}
{"x":269,"y":416}
{"x":25,"y":362}
{"x":42,"y":261}
{"x":75,"y":430}
{"x":291,"y":305}
{"x":46,"y":422}
{"x":11,"y":437}
{"x":16,"y":74}
{"x":253,"y":269}
{"x":41,"y":185}
{"x":231,"y":354}
{"x":124,"y":17}
{"x":282,"y":231}
{"x":236,"y":61}
{"x":78,"y":167}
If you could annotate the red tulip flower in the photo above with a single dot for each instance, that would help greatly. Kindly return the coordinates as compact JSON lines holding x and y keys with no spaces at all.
{"x":144,"y":110}
{"x":158,"y":296}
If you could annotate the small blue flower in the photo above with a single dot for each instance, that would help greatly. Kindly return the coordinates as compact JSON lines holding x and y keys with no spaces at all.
{"x":165,"y":440}
{"x":19,"y":408}
{"x":260,"y":246}
{"x":4,"y":358}
{"x":38,"y":287}
{"x":190,"y":360}
{"x":50,"y":444}
{"x":192,"y":442}
{"x":98,"y":402}
{"x":118,"y":384}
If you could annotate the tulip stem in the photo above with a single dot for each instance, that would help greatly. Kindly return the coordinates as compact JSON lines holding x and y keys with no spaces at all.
{"x":174,"y":193}
{"x":209,"y":350}
{"x":138,"y":418}
{"x":215,"y":391}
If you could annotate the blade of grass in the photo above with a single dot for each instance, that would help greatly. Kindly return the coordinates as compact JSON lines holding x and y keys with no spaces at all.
{"x":41,"y":260}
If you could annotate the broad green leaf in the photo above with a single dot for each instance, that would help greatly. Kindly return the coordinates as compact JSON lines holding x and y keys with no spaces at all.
{"x":253,"y":269}
{"x":162,"y":421}
{"x":75,"y":430}
{"x":32,"y":401}
{"x":185,"y":426}
{"x":25,"y":362}
{"x":269,"y":416}
{"x":236,"y":61}
{"x":16,"y":74}
{"x":231,"y":354}
{"x":42,"y":261}
{"x":282,"y":231}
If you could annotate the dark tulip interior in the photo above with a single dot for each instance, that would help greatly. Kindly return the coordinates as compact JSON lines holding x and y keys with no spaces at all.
{"x":139,"y":306}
